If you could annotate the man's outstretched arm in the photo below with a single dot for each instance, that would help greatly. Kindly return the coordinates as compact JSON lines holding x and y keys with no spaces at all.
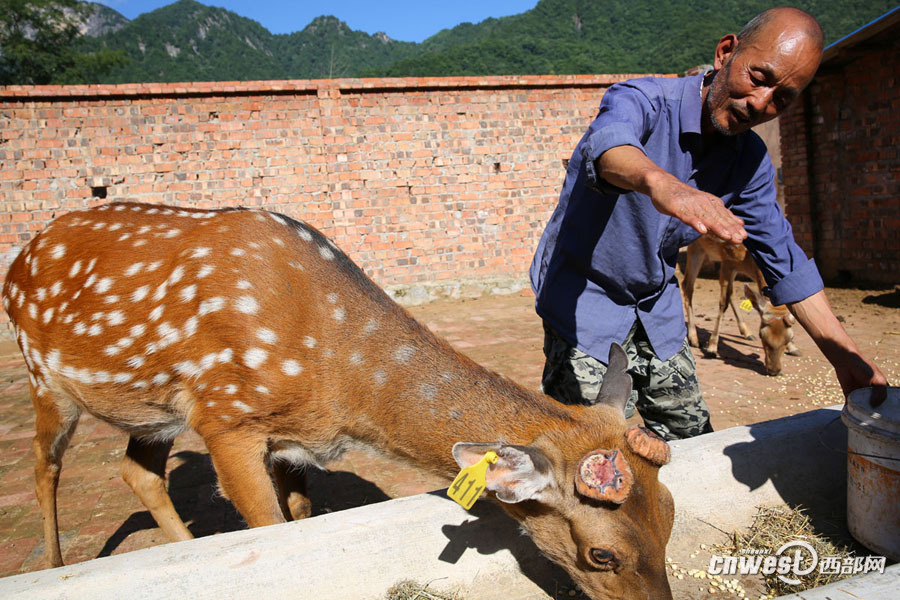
{"x":629,"y":168}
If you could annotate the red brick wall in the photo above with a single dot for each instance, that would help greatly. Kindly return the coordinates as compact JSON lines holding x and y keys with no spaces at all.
{"x":419,"y":180}
{"x":842,"y":166}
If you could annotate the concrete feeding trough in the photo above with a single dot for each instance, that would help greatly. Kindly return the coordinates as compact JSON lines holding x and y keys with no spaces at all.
{"x":717,"y":480}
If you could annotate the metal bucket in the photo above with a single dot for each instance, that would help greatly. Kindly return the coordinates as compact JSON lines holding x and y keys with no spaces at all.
{"x":873,"y":470}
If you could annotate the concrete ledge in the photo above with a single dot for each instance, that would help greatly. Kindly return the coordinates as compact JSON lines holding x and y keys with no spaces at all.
{"x":717,"y":481}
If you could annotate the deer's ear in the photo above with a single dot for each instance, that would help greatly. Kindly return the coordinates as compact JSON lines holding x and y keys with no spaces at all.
{"x":756,"y":299}
{"x":520,"y":473}
{"x":616,"y":387}
{"x":604,"y":475}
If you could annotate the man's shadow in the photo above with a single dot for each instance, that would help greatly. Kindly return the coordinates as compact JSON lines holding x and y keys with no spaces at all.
{"x":807,"y":467}
{"x":194,"y":492}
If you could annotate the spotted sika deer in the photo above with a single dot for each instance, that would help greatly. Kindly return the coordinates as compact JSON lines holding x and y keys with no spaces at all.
{"x":775,"y":327}
{"x":257,"y":332}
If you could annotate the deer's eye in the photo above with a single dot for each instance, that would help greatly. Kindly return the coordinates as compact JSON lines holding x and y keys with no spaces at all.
{"x":603,"y":559}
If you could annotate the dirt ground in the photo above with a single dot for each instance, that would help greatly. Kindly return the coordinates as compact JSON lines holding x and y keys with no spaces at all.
{"x":100,"y":516}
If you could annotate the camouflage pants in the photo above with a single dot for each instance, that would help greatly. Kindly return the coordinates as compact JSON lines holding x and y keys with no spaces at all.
{"x":666,"y":393}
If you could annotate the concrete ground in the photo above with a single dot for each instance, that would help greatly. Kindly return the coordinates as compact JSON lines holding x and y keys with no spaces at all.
{"x":100,"y":516}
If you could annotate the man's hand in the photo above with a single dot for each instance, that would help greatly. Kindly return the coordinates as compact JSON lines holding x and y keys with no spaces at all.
{"x":853,"y":370}
{"x":629,"y":168}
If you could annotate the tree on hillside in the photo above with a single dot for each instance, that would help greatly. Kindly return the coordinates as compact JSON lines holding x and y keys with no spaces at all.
{"x":38,"y":43}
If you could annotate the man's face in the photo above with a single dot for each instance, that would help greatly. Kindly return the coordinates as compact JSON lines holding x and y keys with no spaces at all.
{"x":758,"y":79}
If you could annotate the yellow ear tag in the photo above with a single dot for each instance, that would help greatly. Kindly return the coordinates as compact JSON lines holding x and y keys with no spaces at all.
{"x":747,"y":305}
{"x":471,"y":481}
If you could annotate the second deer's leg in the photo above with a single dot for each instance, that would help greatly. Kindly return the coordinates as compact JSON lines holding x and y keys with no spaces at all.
{"x":693,"y":263}
{"x":292,"y":491}
{"x":144,"y":469}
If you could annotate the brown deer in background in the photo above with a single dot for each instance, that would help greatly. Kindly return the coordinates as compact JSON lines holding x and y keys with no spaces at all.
{"x":775,"y":329}
{"x":257,"y":332}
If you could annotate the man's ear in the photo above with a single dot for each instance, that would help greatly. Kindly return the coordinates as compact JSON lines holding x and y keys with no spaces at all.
{"x":725,"y":50}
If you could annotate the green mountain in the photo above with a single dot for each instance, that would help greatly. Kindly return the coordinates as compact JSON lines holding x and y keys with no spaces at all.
{"x":188,"y":41}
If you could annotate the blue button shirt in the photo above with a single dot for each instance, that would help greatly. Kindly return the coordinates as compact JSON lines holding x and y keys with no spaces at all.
{"x":607,"y":256}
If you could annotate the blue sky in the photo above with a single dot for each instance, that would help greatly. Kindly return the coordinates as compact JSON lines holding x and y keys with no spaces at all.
{"x":404,"y":20}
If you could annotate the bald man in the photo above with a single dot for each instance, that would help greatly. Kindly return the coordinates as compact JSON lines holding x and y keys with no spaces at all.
{"x":665,"y":161}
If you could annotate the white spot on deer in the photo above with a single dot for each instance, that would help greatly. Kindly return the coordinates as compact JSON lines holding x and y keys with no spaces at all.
{"x":403,"y":354}
{"x":240,"y":405}
{"x":140,"y":293}
{"x":90,"y":266}
{"x":161,"y":378}
{"x":115,"y":227}
{"x":254,"y":357}
{"x":154,"y":266}
{"x":56,"y":289}
{"x":243,"y":284}
{"x":123,"y":237}
{"x":371,"y":326}
{"x":103,"y":285}
{"x":338,"y":315}
{"x":291,"y":367}
{"x":168,"y":335}
{"x":90,"y":280}
{"x":157,"y":312}
{"x":54,"y":360}
{"x":116,"y":317}
{"x":267,"y":335}
{"x":134,"y":269}
{"x":356,"y":358}
{"x":305,"y":235}
{"x":188,"y":368}
{"x":32,"y":310}
{"x":190,"y":326}
{"x":95,"y":330}
{"x":139,"y":243}
{"x":247,"y":305}
{"x":41,"y":294}
{"x":97,"y":316}
{"x":171,"y":233}
{"x":204,"y":271}
{"x":309,"y":342}
{"x":161,"y":291}
{"x":428,"y":391}
{"x":187,"y":294}
{"x":200,"y":252}
{"x":58,"y":251}
{"x":48,"y":315}
{"x":101,"y":377}
{"x":211,"y":305}
{"x":237,"y":252}
{"x":230,"y":389}
{"x":111,"y":299}
{"x":380,"y":377}
{"x":326,"y":253}
{"x":278,"y":241}
{"x":122,"y":378}
{"x":278,"y":218}
{"x":140,"y":385}
{"x":138,"y":330}
{"x":98,"y":226}
{"x":176,"y":275}
{"x":111,"y":350}
{"x":332,"y":298}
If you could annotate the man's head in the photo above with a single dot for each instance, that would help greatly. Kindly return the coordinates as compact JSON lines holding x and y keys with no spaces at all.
{"x":761,"y":70}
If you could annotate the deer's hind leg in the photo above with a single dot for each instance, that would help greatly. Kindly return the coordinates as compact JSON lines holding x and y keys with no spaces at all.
{"x":144,"y":469}
{"x":292,"y":490}
{"x":54,"y":423}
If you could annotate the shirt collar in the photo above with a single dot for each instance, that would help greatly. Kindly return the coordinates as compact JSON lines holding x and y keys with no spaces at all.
{"x":691,"y":104}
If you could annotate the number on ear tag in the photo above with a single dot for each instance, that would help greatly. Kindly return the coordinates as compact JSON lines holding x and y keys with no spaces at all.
{"x":471,"y":481}
{"x":747,"y":305}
